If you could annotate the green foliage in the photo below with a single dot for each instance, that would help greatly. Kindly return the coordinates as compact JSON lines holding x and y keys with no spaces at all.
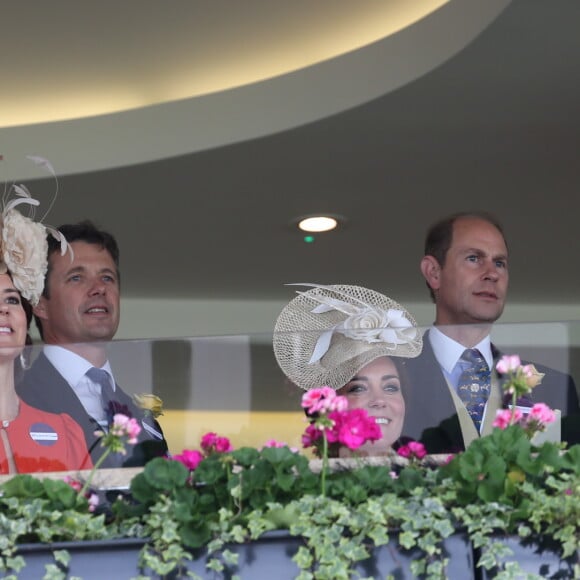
{"x":505,"y":485}
{"x":33,"y":510}
{"x":500,"y":485}
{"x":59,"y":494}
{"x":272,"y":475}
{"x":493,"y":467}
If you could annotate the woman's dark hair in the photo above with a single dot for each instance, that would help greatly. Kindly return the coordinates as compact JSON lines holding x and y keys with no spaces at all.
{"x":18,"y":368}
{"x":28,"y":311}
{"x":401,"y":366}
{"x":27,"y":307}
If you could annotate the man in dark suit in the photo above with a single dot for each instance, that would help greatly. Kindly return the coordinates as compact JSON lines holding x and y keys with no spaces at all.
{"x":77,"y":315}
{"x":466,"y":270}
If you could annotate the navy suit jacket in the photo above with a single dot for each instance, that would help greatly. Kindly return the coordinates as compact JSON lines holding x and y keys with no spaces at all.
{"x":430,"y":415}
{"x":43,"y":387}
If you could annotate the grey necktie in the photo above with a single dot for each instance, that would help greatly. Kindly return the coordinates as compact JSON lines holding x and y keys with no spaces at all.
{"x":102,"y":378}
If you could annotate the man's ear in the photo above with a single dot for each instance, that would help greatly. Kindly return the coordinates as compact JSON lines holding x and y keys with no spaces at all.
{"x":40,"y":309}
{"x":431,"y":271}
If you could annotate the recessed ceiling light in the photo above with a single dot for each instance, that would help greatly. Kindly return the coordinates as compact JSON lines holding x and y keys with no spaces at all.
{"x":317,"y":223}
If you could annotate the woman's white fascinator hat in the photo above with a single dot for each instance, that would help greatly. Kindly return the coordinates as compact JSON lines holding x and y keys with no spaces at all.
{"x":325,"y":335}
{"x":23,"y":245}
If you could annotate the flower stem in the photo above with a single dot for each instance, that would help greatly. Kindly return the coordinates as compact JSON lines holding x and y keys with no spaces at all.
{"x":324,"y":464}
{"x":98,"y":464}
{"x":514,"y":401}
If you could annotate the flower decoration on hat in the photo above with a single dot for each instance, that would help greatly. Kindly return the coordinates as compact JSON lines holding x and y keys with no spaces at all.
{"x":363,"y":322}
{"x":23,"y":245}
{"x":326,"y":334}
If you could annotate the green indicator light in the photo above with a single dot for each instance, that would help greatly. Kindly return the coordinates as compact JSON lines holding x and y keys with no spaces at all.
{"x":309,"y":239}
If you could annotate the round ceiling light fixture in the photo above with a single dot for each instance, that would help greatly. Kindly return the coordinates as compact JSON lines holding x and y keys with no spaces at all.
{"x":318,"y":223}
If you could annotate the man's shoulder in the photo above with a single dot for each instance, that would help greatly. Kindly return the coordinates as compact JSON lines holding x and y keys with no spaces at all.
{"x":557,"y":388}
{"x":552,"y":376}
{"x":40,"y":372}
{"x":425,"y":362}
{"x":42,"y":386}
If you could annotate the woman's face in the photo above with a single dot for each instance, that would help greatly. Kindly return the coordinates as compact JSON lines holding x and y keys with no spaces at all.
{"x":13,"y":325}
{"x":377,"y":388}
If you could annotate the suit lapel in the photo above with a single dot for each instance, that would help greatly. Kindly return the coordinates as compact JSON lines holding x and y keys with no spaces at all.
{"x":429,"y":401}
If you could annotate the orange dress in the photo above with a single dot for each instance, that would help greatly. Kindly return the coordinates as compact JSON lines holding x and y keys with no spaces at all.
{"x":38,"y":441}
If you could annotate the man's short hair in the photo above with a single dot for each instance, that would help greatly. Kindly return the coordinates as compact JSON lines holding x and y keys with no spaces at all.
{"x":84,"y":231}
{"x":440,"y":236}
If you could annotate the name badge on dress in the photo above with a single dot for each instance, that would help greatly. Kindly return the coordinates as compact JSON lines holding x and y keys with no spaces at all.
{"x":43,"y":434}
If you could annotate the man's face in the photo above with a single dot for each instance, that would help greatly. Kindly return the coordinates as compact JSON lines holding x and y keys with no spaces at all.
{"x":84,"y":297}
{"x":471,"y":287}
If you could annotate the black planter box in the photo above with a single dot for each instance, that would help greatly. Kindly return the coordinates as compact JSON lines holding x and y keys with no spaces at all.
{"x":90,"y":560}
{"x":266,"y":558}
{"x":540,"y":556}
{"x":394,"y":560}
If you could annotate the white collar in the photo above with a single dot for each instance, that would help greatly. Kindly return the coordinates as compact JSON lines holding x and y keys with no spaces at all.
{"x":448,"y":351}
{"x":70,"y":365}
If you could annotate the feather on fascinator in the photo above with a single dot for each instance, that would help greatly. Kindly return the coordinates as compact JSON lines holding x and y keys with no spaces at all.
{"x":23,"y":245}
{"x":328,"y":333}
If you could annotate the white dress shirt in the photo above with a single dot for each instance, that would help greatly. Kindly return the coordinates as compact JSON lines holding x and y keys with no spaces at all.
{"x":73,"y":369}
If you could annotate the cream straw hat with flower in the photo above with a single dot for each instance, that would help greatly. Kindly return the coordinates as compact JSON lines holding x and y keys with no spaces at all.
{"x":23,"y":245}
{"x":328,"y":333}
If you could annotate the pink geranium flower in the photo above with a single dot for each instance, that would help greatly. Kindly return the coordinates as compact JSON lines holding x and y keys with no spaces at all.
{"x":91,"y":497}
{"x":122,"y":426}
{"x":93,"y":500}
{"x":211,"y":442}
{"x":349,"y":430}
{"x":223,"y":445}
{"x":274,"y":443}
{"x":339,"y":403}
{"x":278,"y":444}
{"x":503,"y":418}
{"x":311,"y":435}
{"x":412,"y":450}
{"x":541,"y":413}
{"x":191,"y":459}
{"x":122,"y":430}
{"x":417,"y":449}
{"x":508,"y":363}
{"x":353,"y":428}
{"x":315,"y":399}
{"x":323,"y":400}
{"x":74,"y":483}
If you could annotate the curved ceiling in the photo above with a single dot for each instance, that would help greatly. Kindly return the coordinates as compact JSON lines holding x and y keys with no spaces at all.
{"x":133,"y":56}
{"x":496,"y":127}
{"x":117,"y":84}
